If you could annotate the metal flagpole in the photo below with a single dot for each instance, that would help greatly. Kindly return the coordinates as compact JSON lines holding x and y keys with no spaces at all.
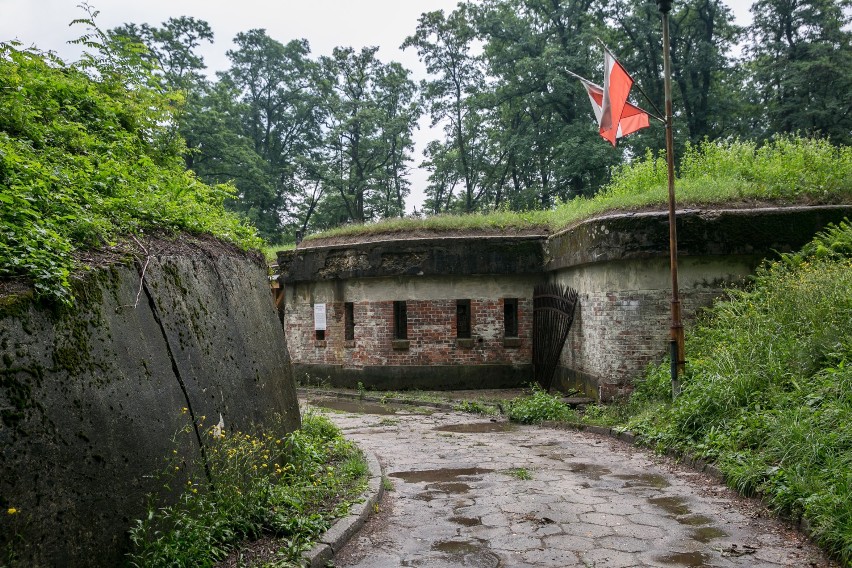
{"x":676,"y":345}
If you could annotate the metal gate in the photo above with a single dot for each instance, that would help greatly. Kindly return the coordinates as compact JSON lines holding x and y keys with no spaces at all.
{"x":553,"y":314}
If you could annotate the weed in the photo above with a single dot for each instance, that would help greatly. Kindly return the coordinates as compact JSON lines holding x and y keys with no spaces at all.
{"x":538,"y":407}
{"x":387,"y":484}
{"x":290,"y":486}
{"x":475,"y":407}
{"x":519,"y":473}
{"x":361,"y":390}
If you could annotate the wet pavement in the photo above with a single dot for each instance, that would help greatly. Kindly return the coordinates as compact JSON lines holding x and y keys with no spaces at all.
{"x":468,"y":491}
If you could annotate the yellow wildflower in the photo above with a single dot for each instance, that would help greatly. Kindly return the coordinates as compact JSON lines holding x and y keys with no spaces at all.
{"x":12,"y":511}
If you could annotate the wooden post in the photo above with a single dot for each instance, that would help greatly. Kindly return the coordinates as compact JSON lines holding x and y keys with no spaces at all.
{"x":678,"y":359}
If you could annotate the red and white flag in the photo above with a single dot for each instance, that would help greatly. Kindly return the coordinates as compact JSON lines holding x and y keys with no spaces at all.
{"x":616,"y":117}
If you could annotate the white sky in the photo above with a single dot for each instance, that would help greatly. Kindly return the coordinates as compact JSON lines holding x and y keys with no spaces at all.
{"x":324,"y":23}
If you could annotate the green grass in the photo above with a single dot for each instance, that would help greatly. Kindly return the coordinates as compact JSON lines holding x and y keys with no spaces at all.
{"x":768,"y":390}
{"x":787,"y":170}
{"x":270,"y":252}
{"x":475,"y":407}
{"x":520,"y":473}
{"x":291,"y":487}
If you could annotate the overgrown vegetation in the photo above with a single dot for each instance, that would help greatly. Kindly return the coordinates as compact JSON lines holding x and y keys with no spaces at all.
{"x":88,"y":155}
{"x":786,"y":170}
{"x":290,"y":487}
{"x":768,"y":389}
{"x":475,"y":407}
{"x":538,"y":407}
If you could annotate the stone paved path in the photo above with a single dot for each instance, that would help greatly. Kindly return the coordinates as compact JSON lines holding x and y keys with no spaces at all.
{"x":460,"y":498}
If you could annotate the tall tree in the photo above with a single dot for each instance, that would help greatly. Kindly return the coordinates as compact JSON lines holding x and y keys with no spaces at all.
{"x":370,"y":115}
{"x":444,"y":44}
{"x":279,"y":115}
{"x":800,"y":57}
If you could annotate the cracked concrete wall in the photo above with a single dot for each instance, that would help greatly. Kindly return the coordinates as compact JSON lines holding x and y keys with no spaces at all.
{"x":92,"y":401}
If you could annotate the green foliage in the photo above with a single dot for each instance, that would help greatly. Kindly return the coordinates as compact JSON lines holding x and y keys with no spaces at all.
{"x":520,"y":473}
{"x":475,"y":407}
{"x":767,"y":389}
{"x":87,"y":158}
{"x":785,"y":170}
{"x":538,"y":407}
{"x":290,"y":486}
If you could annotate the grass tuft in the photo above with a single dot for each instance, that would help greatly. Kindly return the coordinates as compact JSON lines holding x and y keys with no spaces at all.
{"x":538,"y":407}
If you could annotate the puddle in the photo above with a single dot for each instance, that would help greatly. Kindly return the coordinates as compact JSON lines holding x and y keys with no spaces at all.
{"x":696,"y":520}
{"x":438,"y":475}
{"x":672,"y":505}
{"x":466,"y":521}
{"x":456,"y":547}
{"x":645,"y":480}
{"x":691,"y":559}
{"x":588,"y":470}
{"x":451,"y":487}
{"x":356,"y":406}
{"x":706,"y":534}
{"x":478,"y":427}
{"x":468,"y":553}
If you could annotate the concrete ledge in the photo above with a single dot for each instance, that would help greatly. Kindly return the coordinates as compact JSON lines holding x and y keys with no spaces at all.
{"x":335,"y":538}
{"x":424,"y":377}
{"x":304,"y":391}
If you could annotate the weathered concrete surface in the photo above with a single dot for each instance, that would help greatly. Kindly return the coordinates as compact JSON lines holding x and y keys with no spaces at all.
{"x":414,"y":257}
{"x":700,"y":232}
{"x":591,"y":501}
{"x":94,"y":401}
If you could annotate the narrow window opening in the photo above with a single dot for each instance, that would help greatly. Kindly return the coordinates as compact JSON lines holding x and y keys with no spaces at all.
{"x":400,"y":320}
{"x":463,"y":319}
{"x":510,"y":317}
{"x":349,"y":321}
{"x":320,"y":335}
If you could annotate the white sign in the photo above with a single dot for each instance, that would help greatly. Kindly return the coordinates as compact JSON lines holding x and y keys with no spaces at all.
{"x":319,"y":317}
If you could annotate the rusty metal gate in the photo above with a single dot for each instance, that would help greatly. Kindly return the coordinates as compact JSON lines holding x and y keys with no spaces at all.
{"x":553,"y":314}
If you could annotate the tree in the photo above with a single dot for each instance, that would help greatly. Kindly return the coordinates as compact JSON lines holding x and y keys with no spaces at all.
{"x":280,"y":117}
{"x":706,"y":89}
{"x":800,"y":57}
{"x":172,"y":49}
{"x":370,"y":115}
{"x":444,"y":44}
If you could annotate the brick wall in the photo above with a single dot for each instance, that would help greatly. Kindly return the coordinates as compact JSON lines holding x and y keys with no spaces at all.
{"x":431,"y":334}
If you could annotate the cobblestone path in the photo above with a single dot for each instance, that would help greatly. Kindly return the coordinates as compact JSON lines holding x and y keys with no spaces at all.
{"x":471,"y":492}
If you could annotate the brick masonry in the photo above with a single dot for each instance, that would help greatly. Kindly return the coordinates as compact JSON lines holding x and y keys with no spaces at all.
{"x":431,"y":334}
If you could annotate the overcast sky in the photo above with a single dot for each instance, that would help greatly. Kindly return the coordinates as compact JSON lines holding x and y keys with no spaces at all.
{"x":324,"y":23}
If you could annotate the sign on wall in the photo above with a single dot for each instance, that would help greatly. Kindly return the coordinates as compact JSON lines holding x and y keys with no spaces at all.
{"x":319,"y":317}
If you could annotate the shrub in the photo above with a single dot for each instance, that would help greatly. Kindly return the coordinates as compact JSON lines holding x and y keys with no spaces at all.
{"x":89,"y":155}
{"x":290,"y":486}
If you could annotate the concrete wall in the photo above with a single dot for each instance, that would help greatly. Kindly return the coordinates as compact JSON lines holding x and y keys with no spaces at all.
{"x":623,"y":315}
{"x":619,"y":264}
{"x":93,"y":399}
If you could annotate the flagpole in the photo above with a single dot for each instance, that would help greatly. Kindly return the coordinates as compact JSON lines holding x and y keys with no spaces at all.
{"x":676,"y":343}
